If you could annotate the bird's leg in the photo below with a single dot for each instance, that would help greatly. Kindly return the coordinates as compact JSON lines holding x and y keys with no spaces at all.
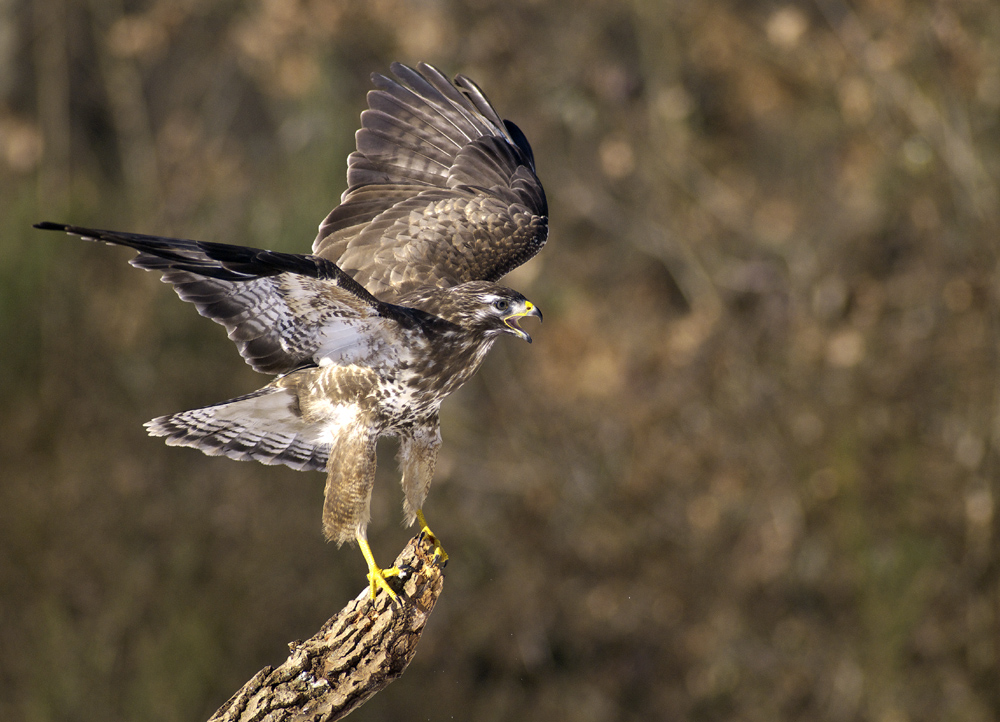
{"x":377,"y":575}
{"x":440,"y":555}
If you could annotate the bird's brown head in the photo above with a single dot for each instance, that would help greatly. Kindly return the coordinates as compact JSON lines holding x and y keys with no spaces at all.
{"x":487,"y":308}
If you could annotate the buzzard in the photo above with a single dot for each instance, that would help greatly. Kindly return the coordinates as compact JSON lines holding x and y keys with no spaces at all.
{"x":394,"y":309}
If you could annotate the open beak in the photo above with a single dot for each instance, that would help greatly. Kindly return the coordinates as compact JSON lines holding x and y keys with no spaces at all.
{"x":529,"y":309}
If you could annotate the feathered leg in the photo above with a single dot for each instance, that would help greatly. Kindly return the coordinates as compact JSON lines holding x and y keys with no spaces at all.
{"x":417,"y":457}
{"x":346,"y":507}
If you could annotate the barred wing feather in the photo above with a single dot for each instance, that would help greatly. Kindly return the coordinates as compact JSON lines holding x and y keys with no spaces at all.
{"x":284,"y":311}
{"x":441,"y":190}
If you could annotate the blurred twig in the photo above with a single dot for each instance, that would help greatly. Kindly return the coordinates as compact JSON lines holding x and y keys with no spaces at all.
{"x":133,"y":128}
{"x":676,"y":167}
{"x":53,"y":89}
{"x":957,"y":151}
{"x":357,"y":652}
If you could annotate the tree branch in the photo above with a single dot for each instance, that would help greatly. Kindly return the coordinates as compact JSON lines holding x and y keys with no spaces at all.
{"x":354,"y":655}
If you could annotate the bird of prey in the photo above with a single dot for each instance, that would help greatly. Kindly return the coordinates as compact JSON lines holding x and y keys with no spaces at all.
{"x":394,"y":309}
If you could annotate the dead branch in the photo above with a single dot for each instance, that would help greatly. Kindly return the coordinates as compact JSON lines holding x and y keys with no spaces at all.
{"x":355,"y":654}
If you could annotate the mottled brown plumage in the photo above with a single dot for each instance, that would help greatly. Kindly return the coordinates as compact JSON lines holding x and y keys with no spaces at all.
{"x":395,"y":309}
{"x":440,"y":191}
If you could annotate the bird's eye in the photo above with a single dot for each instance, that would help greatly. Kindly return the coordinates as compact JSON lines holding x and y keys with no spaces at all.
{"x":501,"y":305}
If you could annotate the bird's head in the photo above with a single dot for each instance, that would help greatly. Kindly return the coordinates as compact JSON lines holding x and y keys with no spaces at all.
{"x":489,"y":308}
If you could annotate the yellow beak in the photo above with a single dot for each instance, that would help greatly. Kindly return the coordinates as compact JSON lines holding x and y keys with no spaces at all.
{"x":529,"y":309}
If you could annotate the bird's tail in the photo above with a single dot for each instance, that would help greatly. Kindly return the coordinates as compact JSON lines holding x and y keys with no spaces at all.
{"x":264,"y":426}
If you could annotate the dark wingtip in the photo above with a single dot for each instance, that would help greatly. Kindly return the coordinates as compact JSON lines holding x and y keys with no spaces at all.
{"x":50,"y":226}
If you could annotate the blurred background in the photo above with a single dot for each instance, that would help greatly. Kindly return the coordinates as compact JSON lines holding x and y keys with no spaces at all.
{"x":747,"y":470}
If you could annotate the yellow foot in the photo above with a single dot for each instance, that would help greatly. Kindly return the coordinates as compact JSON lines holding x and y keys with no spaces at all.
{"x":440,"y":555}
{"x":377,"y":580}
{"x":377,"y":575}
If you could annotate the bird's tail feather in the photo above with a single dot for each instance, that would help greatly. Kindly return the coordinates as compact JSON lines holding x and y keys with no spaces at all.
{"x":263,"y":426}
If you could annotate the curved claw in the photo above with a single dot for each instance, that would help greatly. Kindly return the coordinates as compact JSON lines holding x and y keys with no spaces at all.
{"x":440,"y":555}
{"x":377,"y":580}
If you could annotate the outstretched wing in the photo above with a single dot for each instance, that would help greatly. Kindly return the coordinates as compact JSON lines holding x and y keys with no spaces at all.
{"x":283,"y":310}
{"x":441,"y":190}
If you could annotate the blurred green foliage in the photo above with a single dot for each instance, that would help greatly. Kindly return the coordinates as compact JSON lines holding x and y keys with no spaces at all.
{"x":748,"y":470}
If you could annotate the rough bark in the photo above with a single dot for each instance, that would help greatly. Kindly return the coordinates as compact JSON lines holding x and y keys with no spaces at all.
{"x":354,"y":655}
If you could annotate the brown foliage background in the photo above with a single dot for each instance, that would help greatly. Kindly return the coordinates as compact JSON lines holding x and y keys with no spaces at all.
{"x":747,"y":471}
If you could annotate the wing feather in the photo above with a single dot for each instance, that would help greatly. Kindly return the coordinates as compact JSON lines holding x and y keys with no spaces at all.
{"x":441,"y":190}
{"x":284,"y":311}
{"x":447,"y":107}
{"x":262,"y":426}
